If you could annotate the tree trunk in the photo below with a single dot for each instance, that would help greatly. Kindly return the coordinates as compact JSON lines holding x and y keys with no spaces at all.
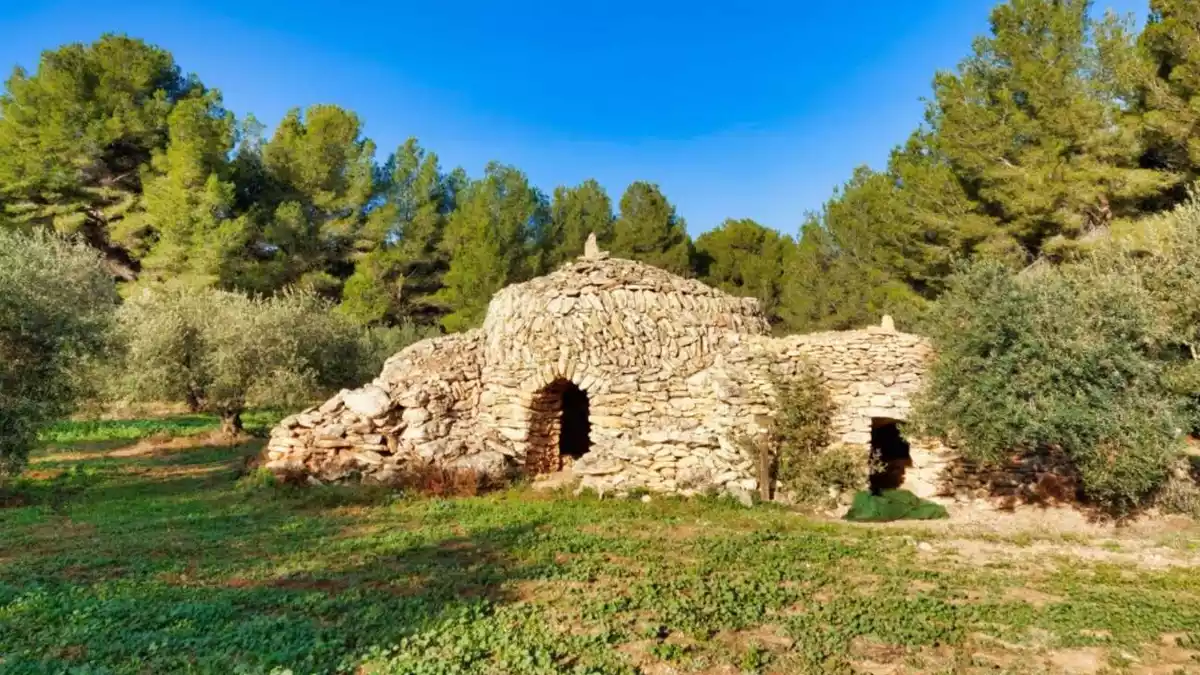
{"x":766,"y":473}
{"x":117,"y":260}
{"x":193,"y":402}
{"x":231,"y":423}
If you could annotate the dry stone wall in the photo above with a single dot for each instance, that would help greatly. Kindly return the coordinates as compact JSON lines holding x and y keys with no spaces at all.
{"x":629,"y":336}
{"x":689,"y":441}
{"x":422,"y":408}
{"x":674,"y":373}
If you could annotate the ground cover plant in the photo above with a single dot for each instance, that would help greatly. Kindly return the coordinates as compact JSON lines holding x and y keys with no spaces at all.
{"x":130,"y":555}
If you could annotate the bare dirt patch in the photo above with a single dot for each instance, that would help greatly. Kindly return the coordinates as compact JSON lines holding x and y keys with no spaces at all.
{"x":1031,"y":597}
{"x":916,"y":587}
{"x":360,"y":531}
{"x":980,"y":519}
{"x":170,"y":472}
{"x":767,"y":636}
{"x":1167,"y":657}
{"x":547,"y":591}
{"x":641,"y":655}
{"x":1081,"y":661}
{"x":164,"y":444}
{"x":683,"y":532}
{"x":53,"y":454}
{"x":869,"y":656}
{"x":1142,"y":555}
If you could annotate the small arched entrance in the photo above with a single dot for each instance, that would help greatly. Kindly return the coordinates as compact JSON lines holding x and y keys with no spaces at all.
{"x":559,"y":428}
{"x":890,"y":455}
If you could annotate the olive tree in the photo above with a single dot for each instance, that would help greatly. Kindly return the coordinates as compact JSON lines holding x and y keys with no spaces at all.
{"x":1160,"y":258}
{"x":1062,"y":360}
{"x":56,"y":306}
{"x":221,"y":351}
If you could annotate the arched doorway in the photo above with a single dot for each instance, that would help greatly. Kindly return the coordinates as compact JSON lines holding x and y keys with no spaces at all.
{"x":890,"y":455}
{"x":559,"y":428}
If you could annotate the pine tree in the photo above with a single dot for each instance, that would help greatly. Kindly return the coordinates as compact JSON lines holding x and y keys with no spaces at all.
{"x":423,"y":262}
{"x":744,"y":258}
{"x":372,"y":294}
{"x":805,"y":284}
{"x":76,"y":134}
{"x":248,"y":172}
{"x":400,"y":270}
{"x":489,"y":241}
{"x":575,"y":213}
{"x":826,"y":287}
{"x":321,"y":181}
{"x":1036,"y":134}
{"x":649,"y":230}
{"x":1168,"y":84}
{"x":189,"y":201}
{"x":910,"y":224}
{"x":933,"y":223}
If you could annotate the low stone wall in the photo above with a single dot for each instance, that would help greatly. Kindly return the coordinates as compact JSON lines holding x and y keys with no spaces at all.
{"x":696,"y":423}
{"x":422,"y":408}
{"x":871,"y":374}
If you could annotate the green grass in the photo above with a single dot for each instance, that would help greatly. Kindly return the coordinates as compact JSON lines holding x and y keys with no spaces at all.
{"x":175,"y":561}
{"x":99,"y":431}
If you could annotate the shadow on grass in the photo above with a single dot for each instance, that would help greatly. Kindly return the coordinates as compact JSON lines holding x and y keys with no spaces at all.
{"x":125,"y":568}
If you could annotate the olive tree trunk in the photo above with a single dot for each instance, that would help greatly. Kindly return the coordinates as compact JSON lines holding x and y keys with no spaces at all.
{"x":192,"y":399}
{"x":231,"y":423}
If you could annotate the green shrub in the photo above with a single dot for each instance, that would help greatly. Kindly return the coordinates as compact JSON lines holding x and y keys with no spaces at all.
{"x":842,"y":468}
{"x":1160,"y":260}
{"x":802,"y":428}
{"x":1060,"y":359}
{"x":892,"y":505}
{"x":797,"y":450}
{"x":379,"y":343}
{"x":221,"y":352}
{"x":754,"y":658}
{"x":56,"y":305}
{"x":1181,"y":493}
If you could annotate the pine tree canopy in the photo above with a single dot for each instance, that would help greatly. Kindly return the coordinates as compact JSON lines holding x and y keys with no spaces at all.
{"x":575,"y":213}
{"x":1060,"y":128}
{"x":649,"y":230}
{"x":744,"y":258}
{"x":76,"y":134}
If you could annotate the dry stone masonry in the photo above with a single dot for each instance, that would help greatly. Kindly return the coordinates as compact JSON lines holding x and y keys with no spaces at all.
{"x":628,"y":375}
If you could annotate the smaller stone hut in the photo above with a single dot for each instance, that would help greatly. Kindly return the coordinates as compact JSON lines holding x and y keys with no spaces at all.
{"x":628,"y":375}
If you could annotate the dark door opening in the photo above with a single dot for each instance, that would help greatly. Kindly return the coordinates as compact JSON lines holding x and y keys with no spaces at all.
{"x":575,"y":436}
{"x":890,"y":455}
{"x":559,"y":428}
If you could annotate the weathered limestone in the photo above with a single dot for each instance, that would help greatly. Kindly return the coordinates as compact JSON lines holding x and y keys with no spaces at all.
{"x":674,"y":372}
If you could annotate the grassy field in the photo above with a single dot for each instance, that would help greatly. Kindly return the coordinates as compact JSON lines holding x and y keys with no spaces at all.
{"x":135,"y":547}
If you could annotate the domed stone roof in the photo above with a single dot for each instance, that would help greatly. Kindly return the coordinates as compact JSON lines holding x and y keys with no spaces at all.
{"x":615,"y":310}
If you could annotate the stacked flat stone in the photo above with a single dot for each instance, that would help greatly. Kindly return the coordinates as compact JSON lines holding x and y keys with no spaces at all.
{"x":423,"y":407}
{"x":676,"y":372}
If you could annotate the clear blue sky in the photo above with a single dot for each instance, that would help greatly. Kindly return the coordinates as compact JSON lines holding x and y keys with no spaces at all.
{"x":749,"y":110}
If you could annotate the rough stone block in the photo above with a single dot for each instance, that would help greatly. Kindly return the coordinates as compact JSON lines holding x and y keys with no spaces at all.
{"x":369,"y":401}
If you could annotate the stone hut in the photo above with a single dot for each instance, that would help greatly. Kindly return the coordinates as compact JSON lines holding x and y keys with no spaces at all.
{"x":628,"y":375}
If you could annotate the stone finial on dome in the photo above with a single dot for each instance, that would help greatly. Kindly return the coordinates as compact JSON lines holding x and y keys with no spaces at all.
{"x":591,"y":250}
{"x":888,"y":325}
